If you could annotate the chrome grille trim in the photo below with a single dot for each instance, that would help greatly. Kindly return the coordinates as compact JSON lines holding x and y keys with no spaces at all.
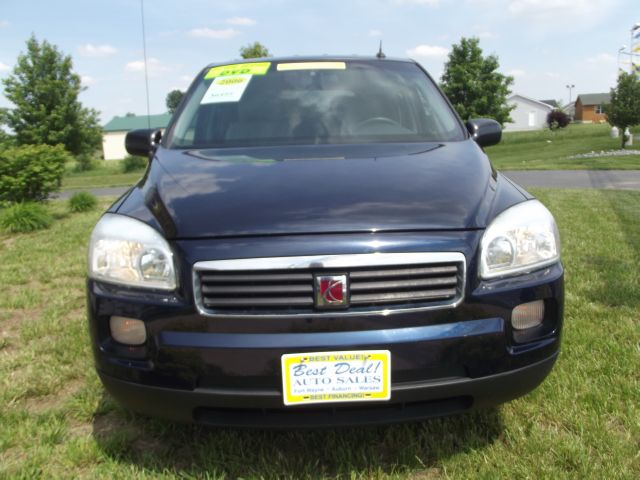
{"x":290,"y":270}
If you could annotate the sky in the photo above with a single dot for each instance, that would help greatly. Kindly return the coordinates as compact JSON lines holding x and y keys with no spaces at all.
{"x":544,"y":44}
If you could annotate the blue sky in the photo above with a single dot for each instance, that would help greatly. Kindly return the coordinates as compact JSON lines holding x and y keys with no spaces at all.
{"x":544,"y":44}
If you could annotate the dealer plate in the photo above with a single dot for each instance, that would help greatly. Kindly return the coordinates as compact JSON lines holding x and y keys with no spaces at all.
{"x":327,"y":377}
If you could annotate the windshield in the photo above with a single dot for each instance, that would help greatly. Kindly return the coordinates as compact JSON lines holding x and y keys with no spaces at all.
{"x":319,"y":102}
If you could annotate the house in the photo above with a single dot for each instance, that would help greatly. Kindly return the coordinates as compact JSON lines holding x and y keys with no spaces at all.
{"x":114,"y":132}
{"x":570,"y":109}
{"x":590,"y":107}
{"x":553,"y":103}
{"x":528,"y":114}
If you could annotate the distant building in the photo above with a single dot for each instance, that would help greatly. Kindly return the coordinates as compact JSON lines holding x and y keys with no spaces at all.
{"x":590,"y":107}
{"x":553,"y":103}
{"x":529,"y":114}
{"x":116,"y":129}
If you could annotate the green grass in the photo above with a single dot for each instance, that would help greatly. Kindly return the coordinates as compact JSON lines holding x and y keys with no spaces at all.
{"x":547,"y":150}
{"x":107,"y":173}
{"x":582,"y":422}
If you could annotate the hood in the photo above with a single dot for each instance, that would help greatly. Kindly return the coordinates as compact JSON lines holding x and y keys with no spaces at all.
{"x":317,"y":189}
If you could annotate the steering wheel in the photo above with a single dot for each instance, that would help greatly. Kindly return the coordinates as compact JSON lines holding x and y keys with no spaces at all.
{"x":369,"y":122}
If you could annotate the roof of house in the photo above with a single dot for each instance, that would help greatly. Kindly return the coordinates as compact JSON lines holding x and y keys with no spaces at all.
{"x":553,"y":103}
{"x":538,"y":102}
{"x":594,"y":98}
{"x":133,"y":122}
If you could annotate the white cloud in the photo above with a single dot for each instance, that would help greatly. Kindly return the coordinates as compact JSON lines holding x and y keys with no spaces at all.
{"x":211,"y":33}
{"x":87,"y":80}
{"x":4,"y":67}
{"x":602,"y":58}
{"x":516,"y":72}
{"x":428,"y":51}
{"x":241,"y":21}
{"x":90,"y":50}
{"x":552,"y":74}
{"x":430,"y":3}
{"x":4,"y":24}
{"x":375,"y":33}
{"x":154,"y":66}
{"x":565,"y":9}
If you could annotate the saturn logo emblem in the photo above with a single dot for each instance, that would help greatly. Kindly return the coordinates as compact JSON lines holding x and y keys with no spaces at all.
{"x":331,"y":291}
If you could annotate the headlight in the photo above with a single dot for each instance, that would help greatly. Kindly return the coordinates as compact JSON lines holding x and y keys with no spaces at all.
{"x":520,"y":239}
{"x":128,"y":252}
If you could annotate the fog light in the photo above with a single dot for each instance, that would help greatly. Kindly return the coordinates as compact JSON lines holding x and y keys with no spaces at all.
{"x":129,"y":331}
{"x":528,"y":315}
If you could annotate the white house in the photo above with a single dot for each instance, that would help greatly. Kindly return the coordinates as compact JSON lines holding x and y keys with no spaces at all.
{"x":529,"y":114}
{"x":116,"y":129}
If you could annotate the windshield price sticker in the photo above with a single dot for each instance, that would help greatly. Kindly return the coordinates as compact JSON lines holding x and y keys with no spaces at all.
{"x":226,"y":89}
{"x":257,"y":68}
{"x":325,"y":377}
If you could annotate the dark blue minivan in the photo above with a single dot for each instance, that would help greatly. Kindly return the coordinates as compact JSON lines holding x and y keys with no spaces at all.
{"x":321,"y":241}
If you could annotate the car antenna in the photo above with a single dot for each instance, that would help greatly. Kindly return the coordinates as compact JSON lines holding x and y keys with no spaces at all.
{"x":380,"y":53}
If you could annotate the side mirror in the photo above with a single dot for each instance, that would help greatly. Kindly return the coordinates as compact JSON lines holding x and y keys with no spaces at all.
{"x":485,"y":131}
{"x":142,"y":142}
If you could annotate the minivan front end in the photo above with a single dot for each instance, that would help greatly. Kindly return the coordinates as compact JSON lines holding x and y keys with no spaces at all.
{"x":321,"y":242}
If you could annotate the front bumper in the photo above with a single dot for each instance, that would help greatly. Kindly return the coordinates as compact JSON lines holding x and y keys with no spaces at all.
{"x":227,"y":371}
{"x":250,"y":408}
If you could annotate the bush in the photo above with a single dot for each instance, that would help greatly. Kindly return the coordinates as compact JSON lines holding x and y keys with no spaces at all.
{"x":82,"y":202}
{"x":132,"y":163}
{"x":31,"y":172}
{"x":84,"y":163}
{"x":557,"y":119}
{"x":24,"y":217}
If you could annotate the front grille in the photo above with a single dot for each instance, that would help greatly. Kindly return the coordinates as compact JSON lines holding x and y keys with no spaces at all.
{"x":285,"y":285}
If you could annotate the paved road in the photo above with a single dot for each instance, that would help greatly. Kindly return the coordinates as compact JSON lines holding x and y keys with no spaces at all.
{"x":609,"y":179}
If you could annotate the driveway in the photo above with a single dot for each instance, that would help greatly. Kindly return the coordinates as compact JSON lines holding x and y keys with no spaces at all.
{"x":608,"y":179}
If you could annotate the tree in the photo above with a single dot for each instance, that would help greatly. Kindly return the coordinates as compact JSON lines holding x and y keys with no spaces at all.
{"x":473,"y":84}
{"x":254,"y":50}
{"x":44,"y":90}
{"x":624,"y":109}
{"x":174,"y":97}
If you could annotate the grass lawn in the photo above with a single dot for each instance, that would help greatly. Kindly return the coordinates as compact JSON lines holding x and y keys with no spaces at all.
{"x":106,"y":174}
{"x":583,"y":422}
{"x":547,"y":150}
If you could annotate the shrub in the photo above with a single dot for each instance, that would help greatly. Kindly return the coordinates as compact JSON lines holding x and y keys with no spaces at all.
{"x":31,"y":172}
{"x":557,"y":119}
{"x":82,"y":202}
{"x":84,"y":163}
{"x":24,"y":217}
{"x":132,"y":163}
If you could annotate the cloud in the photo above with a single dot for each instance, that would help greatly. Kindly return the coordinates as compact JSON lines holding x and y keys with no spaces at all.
{"x":222,"y":34}
{"x":552,"y":74}
{"x":551,"y":10}
{"x":87,"y":80}
{"x":4,"y":24}
{"x":154,"y":66}
{"x":428,"y":51}
{"x":4,"y":67}
{"x":241,"y":21}
{"x":90,"y":50}
{"x":516,"y":72}
{"x":375,"y":33}
{"x":430,"y":3}
{"x":602,"y":58}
